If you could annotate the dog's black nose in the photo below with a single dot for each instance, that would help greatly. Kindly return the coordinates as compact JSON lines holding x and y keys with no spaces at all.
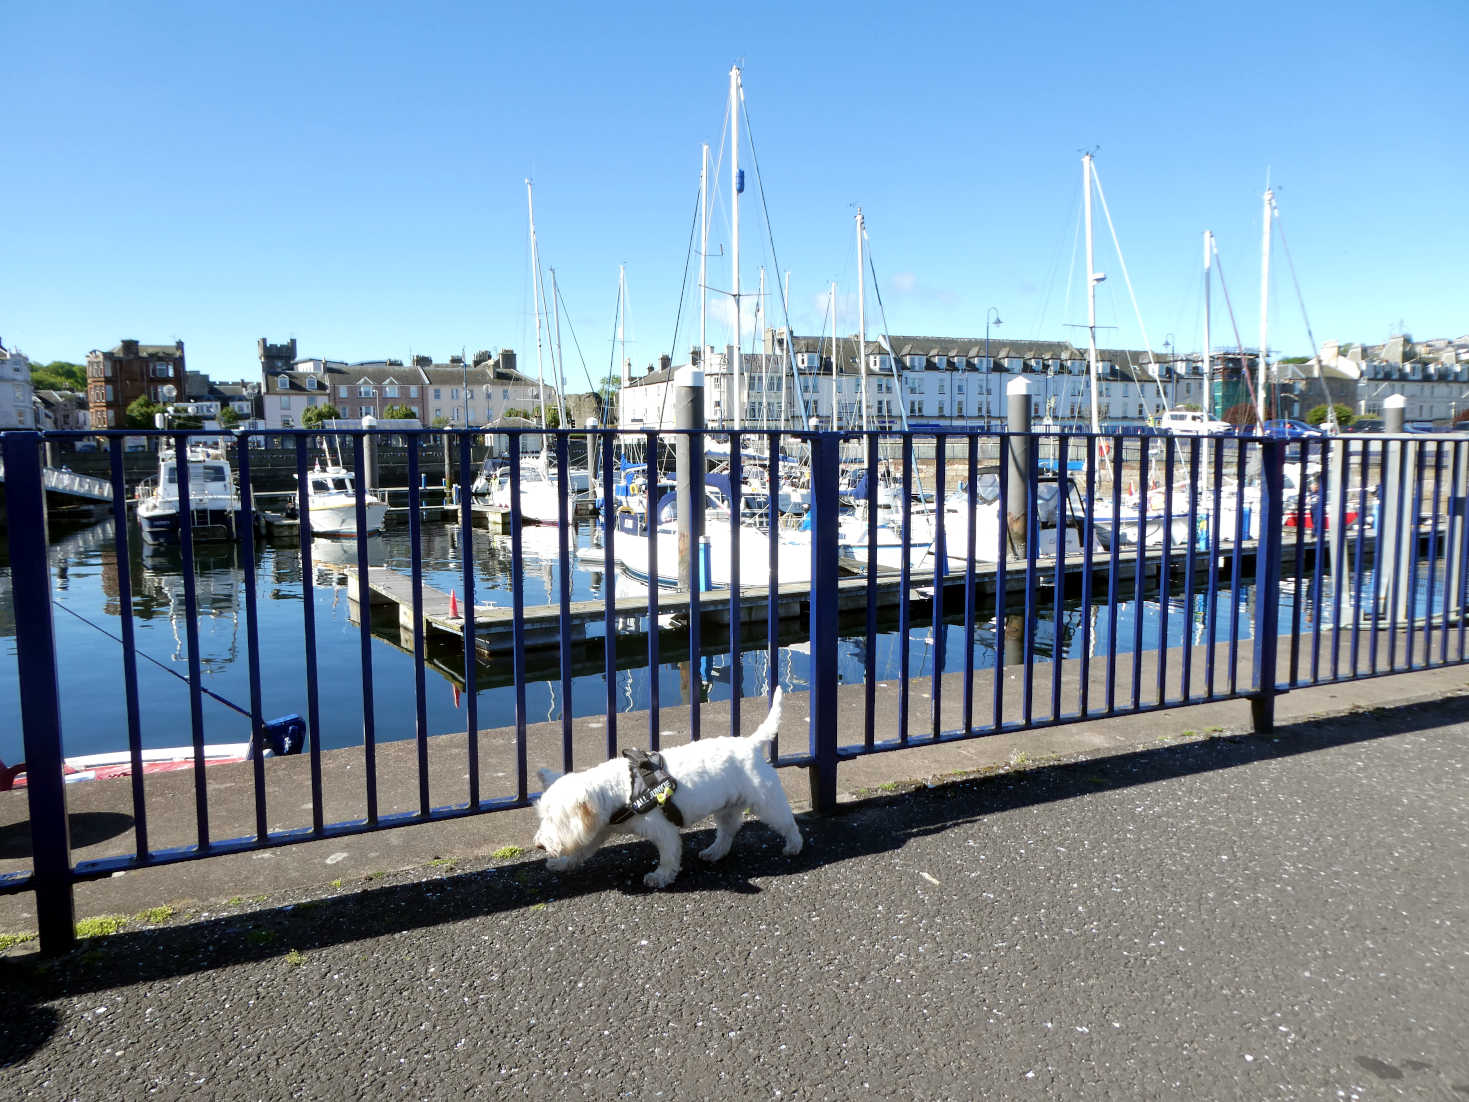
{"x":540,"y":847}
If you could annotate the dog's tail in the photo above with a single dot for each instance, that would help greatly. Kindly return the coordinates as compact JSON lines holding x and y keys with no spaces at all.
{"x":765,"y":733}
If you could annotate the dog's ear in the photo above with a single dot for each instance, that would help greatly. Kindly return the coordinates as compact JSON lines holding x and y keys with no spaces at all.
{"x":548,"y":776}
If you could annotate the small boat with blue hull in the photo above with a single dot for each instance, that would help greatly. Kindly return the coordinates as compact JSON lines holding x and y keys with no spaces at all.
{"x":214,"y":498}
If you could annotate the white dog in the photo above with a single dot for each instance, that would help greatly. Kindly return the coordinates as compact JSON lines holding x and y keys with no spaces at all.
{"x":719,"y":777}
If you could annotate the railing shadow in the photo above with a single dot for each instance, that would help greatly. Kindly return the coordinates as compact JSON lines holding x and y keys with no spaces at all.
{"x":862,"y":828}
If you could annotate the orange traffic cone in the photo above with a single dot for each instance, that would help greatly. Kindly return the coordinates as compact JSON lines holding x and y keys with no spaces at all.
{"x":453,"y":604}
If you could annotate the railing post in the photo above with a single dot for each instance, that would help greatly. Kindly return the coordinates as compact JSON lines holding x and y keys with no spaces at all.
{"x":1019,"y":505}
{"x":1267,"y":584}
{"x":824,"y":487}
{"x":40,"y":697}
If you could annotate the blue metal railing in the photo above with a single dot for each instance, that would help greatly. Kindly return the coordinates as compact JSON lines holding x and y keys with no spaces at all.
{"x":1351,"y":554}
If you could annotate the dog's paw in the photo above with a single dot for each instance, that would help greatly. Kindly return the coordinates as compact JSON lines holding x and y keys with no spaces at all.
{"x":560,"y":864}
{"x":713,"y":852}
{"x":660,"y":878}
{"x":793,"y":845}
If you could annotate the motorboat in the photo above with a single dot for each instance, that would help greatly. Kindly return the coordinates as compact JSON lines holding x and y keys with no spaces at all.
{"x":214,"y":498}
{"x":331,"y":503}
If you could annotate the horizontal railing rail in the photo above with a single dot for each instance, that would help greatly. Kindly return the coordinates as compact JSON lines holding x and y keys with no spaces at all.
{"x":923,"y":587}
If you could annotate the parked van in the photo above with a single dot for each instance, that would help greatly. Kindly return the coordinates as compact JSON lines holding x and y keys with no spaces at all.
{"x":1192,"y":422}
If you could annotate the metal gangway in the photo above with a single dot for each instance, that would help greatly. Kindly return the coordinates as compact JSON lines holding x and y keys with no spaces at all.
{"x":61,"y":481}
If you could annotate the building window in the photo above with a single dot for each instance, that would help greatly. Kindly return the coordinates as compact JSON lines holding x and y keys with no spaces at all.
{"x":364,"y":392}
{"x":285,"y":402}
{"x":413,"y":392}
{"x":390,"y":392}
{"x":438,"y":413}
{"x":342,"y":391}
{"x":437,"y":396}
{"x":364,"y":411}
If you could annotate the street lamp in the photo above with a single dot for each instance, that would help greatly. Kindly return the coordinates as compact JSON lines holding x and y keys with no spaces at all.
{"x":989,"y":367}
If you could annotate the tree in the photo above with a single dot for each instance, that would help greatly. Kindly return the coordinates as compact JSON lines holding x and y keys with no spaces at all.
{"x":59,"y":375}
{"x":312,"y":416}
{"x":1317,"y":416}
{"x":141,"y":411}
{"x":399,"y":413}
{"x":227,"y":418}
{"x":1242,"y":415}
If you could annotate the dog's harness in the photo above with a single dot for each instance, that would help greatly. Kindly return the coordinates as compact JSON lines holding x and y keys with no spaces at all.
{"x":652,"y":786}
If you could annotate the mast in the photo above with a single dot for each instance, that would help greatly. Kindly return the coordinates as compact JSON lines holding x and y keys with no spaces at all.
{"x":556,"y":361}
{"x":759,"y":343}
{"x":862,"y":327}
{"x":703,"y":256}
{"x":1208,"y":403}
{"x":623,"y":368}
{"x":737,"y":406}
{"x":1260,"y":397}
{"x":833,"y":356}
{"x":536,"y":293}
{"x":1092,"y":279}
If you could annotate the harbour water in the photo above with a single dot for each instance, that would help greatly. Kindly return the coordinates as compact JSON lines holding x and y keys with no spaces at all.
{"x":88,"y":623}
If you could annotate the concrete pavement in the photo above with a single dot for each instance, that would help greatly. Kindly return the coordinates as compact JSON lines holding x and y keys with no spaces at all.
{"x":1191,"y":917}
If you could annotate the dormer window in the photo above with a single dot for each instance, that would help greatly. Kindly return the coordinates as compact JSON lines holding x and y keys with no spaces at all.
{"x":311,"y":382}
{"x":283,"y":382}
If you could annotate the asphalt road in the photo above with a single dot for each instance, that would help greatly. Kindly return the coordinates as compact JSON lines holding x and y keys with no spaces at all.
{"x":1254,"y":918}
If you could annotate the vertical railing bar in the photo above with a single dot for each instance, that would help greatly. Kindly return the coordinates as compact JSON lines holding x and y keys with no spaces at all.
{"x":1240,"y":454}
{"x":1211,"y":611}
{"x":971,"y":493}
{"x":420,"y":689}
{"x":1187,"y":664}
{"x":1266,"y":677}
{"x":609,"y":567}
{"x":1032,"y":537}
{"x":655,"y":699}
{"x":1462,"y":597}
{"x":517,"y":618}
{"x":1088,"y":536}
{"x":1119,"y":444}
{"x":940,"y":574}
{"x":122,"y":549}
{"x":772,"y":583}
{"x":1063,"y":483}
{"x":736,"y":593}
{"x":1415,"y":509}
{"x":1318,"y":521}
{"x":1338,"y":546}
{"x":364,"y":607}
{"x":905,"y":547}
{"x":1377,"y":542}
{"x":191,"y":634}
{"x":566,"y":514}
{"x":308,"y":625}
{"x":869,"y":733}
{"x":1165,"y":565}
{"x":1448,"y":595}
{"x":1357,"y":568}
{"x":1001,"y":581}
{"x":1397,"y":556}
{"x":1297,"y":605}
{"x":1432,"y":559}
{"x":39,"y":691}
{"x":245,"y":530}
{"x":1144,"y":510}
{"x":697,"y":492}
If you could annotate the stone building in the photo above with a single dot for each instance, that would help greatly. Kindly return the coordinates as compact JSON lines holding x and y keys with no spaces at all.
{"x":117,"y":377}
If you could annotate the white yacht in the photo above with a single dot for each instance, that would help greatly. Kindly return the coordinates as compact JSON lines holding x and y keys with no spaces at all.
{"x":214,"y":499}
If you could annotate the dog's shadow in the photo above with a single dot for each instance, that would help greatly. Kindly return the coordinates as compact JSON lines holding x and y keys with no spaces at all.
{"x":861,"y":828}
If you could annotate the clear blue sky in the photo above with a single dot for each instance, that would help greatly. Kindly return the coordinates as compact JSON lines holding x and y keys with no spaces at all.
{"x":353,"y":175}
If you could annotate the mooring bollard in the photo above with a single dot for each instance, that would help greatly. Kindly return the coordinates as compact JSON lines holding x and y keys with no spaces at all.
{"x":1018,"y":489}
{"x":688,"y":418}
